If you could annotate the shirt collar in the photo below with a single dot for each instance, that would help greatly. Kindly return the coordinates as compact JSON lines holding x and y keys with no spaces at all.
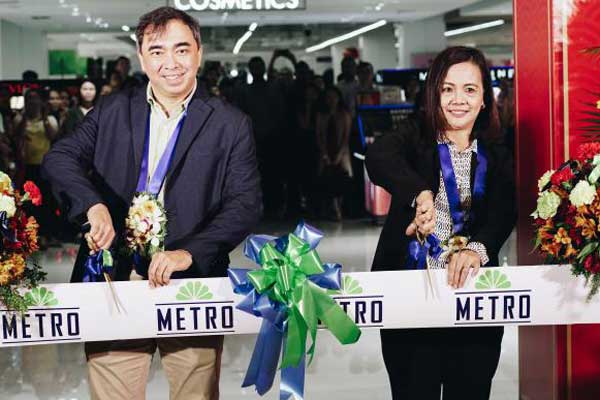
{"x":153,"y":102}
{"x":472,"y":148}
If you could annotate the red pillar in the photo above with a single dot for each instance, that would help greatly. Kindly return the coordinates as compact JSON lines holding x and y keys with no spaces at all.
{"x":555,"y":86}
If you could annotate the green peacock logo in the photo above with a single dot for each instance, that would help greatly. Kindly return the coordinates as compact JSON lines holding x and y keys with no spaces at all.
{"x":492,"y":280}
{"x":194,"y":291}
{"x":41,"y":297}
{"x":349,"y":287}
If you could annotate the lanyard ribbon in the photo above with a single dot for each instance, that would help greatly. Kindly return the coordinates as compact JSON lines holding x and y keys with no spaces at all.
{"x":158,"y":178}
{"x":156,"y":182}
{"x":459,"y":216}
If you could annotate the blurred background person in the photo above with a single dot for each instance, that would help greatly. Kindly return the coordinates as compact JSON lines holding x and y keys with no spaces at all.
{"x":87,"y":98}
{"x":56,"y":106}
{"x":307,"y":149}
{"x":115,"y":82}
{"x":263,"y":101}
{"x":105,"y":90}
{"x":366,"y":94}
{"x":348,"y":84}
{"x":34,"y":132}
{"x":333,"y":126}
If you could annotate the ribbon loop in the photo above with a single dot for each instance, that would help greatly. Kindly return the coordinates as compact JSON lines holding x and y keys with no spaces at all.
{"x":289,"y":293}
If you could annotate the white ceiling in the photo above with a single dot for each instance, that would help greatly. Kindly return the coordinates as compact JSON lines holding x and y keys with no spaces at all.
{"x":58,"y":14}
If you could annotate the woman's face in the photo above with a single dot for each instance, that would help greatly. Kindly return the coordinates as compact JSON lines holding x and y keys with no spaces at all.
{"x":64,"y":97}
{"x":54,"y":100}
{"x":88,"y":91}
{"x":462,"y":96}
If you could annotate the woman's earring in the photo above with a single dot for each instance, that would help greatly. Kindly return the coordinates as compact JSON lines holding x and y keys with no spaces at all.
{"x":482,"y":106}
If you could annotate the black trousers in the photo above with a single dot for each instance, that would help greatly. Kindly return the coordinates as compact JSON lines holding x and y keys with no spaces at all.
{"x":457,"y":362}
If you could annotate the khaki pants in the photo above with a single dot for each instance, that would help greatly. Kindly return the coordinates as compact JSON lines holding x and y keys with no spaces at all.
{"x":118,"y":370}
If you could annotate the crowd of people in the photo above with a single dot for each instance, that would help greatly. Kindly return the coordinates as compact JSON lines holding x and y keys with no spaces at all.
{"x":304,"y":125}
{"x":27,"y":134}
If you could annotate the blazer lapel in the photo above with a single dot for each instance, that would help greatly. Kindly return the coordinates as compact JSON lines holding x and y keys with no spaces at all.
{"x":138,"y":120}
{"x":197,"y":114}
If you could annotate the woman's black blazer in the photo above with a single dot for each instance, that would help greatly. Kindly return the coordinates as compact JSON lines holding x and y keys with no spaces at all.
{"x":405,"y":164}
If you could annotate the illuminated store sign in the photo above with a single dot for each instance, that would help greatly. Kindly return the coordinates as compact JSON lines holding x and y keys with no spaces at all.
{"x":240,"y":5}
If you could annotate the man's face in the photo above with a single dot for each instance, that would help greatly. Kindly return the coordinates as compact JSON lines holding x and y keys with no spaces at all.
{"x":171,"y":59}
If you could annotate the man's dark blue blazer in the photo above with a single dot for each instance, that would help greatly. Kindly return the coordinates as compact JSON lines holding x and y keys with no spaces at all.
{"x":212,"y":189}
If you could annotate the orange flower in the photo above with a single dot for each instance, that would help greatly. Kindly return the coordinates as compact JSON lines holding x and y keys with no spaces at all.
{"x":570,"y":252}
{"x":11,"y":268}
{"x":551,"y":248}
{"x":18,"y":266}
{"x":31,"y":230}
{"x":562,"y":236}
{"x":587,"y":225}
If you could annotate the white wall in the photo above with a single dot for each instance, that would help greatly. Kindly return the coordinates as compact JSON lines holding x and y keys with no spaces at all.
{"x":378,"y":47}
{"x":22,"y":49}
{"x":426,"y":36}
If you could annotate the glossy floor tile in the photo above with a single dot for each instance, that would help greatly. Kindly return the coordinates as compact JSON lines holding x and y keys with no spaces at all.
{"x":354,"y":372}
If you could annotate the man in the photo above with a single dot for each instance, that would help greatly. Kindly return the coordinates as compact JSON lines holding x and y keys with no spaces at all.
{"x":348,"y":84}
{"x":211,"y":195}
{"x":268,"y":123}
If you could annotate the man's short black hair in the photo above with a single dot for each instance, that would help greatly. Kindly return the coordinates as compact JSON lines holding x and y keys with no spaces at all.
{"x":158,"y":19}
{"x":29,"y":76}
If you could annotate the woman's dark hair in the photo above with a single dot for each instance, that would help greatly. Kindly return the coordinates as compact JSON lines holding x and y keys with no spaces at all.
{"x":487,"y":124}
{"x":158,"y":19}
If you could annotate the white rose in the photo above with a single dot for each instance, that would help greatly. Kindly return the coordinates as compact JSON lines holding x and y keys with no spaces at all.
{"x":155,"y":228}
{"x":582,"y":193}
{"x":547,"y":205}
{"x":543,"y":181}
{"x":155,"y":242}
{"x":5,"y":183}
{"x":7,"y":203}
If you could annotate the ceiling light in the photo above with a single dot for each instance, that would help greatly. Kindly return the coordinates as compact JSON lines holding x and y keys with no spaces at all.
{"x":473,"y":28}
{"x":346,"y":36}
{"x":125,"y":28}
{"x":88,"y":19}
{"x":253,"y":27}
{"x":234,"y":73}
{"x":379,"y":6}
{"x":133,"y":37}
{"x":241,"y":41}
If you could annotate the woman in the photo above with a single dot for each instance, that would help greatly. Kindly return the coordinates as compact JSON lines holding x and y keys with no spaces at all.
{"x":35,"y":131}
{"x":432,"y":167}
{"x":333,"y":126}
{"x":87,"y":97}
{"x":305,"y":162}
{"x":56,"y":106}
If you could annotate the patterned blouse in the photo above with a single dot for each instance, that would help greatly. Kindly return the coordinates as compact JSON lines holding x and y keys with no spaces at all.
{"x":461,"y":162}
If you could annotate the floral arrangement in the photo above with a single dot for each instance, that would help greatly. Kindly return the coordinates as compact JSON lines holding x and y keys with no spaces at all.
{"x":567,"y":217}
{"x":19,"y":241}
{"x":145,"y":226}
